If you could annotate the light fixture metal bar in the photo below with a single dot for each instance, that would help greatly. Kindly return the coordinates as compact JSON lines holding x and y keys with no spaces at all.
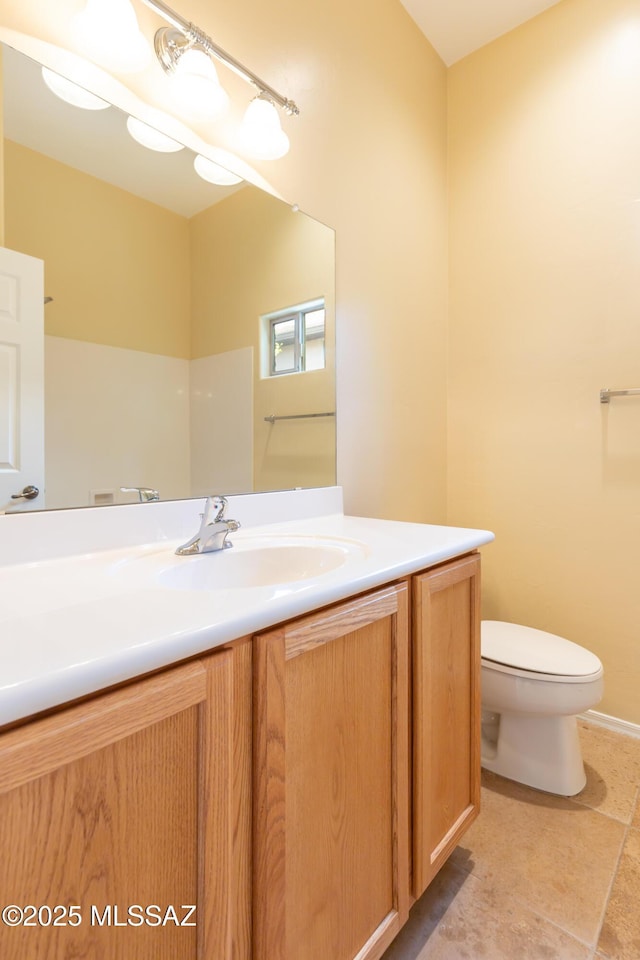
{"x":195,"y":35}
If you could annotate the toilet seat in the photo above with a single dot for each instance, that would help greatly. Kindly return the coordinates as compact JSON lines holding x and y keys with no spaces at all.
{"x":526,"y":652}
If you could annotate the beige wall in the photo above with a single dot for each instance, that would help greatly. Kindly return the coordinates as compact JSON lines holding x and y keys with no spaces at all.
{"x":545,"y":237}
{"x":127,"y":282}
{"x":252,"y":255}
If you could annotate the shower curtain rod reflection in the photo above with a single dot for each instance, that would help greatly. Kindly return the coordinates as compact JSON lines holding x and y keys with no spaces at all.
{"x":298,"y":416}
{"x":607,"y":393}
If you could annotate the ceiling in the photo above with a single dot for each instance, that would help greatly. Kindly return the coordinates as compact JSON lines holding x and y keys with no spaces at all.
{"x":457,"y":27}
{"x":97,"y":142}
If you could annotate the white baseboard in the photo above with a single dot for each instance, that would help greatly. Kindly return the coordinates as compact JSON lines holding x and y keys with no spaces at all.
{"x":611,"y":723}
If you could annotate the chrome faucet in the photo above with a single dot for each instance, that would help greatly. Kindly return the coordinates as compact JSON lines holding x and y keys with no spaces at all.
{"x":213,"y":531}
{"x":145,"y":494}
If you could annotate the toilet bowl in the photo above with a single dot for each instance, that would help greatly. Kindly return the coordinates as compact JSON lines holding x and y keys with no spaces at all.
{"x":533,"y":685}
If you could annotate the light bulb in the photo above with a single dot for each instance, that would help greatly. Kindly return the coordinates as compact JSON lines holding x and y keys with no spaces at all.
{"x":151,"y":138}
{"x":214,"y":173}
{"x":108,"y":32}
{"x":261,"y":135}
{"x":71,"y":93}
{"x":195,"y":87}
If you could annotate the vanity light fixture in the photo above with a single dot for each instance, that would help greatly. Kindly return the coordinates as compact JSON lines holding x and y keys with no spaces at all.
{"x":265,"y":138}
{"x":214,"y":173}
{"x":260,"y":132}
{"x":195,"y":87}
{"x":151,"y":138}
{"x":108,"y":32}
{"x":71,"y":93}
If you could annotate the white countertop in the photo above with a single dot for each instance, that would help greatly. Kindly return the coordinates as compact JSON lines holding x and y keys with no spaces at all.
{"x":71,"y":625}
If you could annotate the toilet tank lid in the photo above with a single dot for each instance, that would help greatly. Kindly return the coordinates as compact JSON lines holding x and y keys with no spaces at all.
{"x":526,"y":648}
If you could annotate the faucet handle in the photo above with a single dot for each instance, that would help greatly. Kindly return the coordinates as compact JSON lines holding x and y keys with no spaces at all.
{"x":214,"y":509}
{"x":214,"y":512}
{"x":219,"y":503}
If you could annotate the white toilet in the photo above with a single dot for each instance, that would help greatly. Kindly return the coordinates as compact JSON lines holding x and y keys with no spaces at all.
{"x":533,"y":685}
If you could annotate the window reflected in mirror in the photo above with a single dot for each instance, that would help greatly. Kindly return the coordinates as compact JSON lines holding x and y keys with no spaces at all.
{"x":295,"y":339}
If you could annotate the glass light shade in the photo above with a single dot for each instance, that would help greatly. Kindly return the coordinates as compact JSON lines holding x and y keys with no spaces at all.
{"x":261,"y":135}
{"x":151,"y":138}
{"x":214,"y":173}
{"x":71,"y":93}
{"x":108,"y":32}
{"x":195,"y":87}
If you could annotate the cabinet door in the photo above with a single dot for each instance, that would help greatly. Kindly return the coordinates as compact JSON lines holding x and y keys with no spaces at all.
{"x":446,"y":712}
{"x":331,"y":873}
{"x":107,"y":817}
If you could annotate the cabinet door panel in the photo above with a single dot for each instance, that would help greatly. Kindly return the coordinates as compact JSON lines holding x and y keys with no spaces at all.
{"x":111,"y":828}
{"x":446,"y":712}
{"x":132,"y":800}
{"x":331,"y":838}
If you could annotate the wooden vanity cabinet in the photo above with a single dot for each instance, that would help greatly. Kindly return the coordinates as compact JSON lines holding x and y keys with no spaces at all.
{"x":137,"y":797}
{"x":446,"y":712}
{"x":268,"y":783}
{"x":331,"y":833}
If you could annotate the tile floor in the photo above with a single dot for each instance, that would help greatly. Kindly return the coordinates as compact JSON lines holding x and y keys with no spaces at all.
{"x":539,"y":877}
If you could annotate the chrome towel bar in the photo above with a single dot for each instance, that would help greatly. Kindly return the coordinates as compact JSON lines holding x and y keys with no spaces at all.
{"x":606,"y":394}
{"x":298,"y":416}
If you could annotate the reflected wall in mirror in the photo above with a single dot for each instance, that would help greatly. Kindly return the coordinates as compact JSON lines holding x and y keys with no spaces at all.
{"x":160,"y":286}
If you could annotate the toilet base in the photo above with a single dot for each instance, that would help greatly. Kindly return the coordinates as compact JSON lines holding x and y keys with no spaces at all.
{"x":539,"y":751}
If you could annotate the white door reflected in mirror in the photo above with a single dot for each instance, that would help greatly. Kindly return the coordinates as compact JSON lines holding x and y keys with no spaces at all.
{"x":21,"y":380}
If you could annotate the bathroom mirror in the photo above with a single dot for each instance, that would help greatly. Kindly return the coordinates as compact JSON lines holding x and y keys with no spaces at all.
{"x":160,"y":328}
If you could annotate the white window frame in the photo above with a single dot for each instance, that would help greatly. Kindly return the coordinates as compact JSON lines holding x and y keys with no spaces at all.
{"x":296,"y":313}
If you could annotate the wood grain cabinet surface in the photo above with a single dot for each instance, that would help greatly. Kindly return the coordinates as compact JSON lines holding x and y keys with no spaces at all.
{"x":120,"y":813}
{"x":331,"y":782}
{"x":446,"y":712}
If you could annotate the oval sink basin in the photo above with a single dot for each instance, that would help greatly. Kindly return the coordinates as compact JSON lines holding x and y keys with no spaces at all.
{"x":259,"y":566}
{"x":259,"y":561}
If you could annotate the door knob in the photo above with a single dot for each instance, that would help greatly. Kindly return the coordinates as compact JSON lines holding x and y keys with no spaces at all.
{"x":28,"y":493}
